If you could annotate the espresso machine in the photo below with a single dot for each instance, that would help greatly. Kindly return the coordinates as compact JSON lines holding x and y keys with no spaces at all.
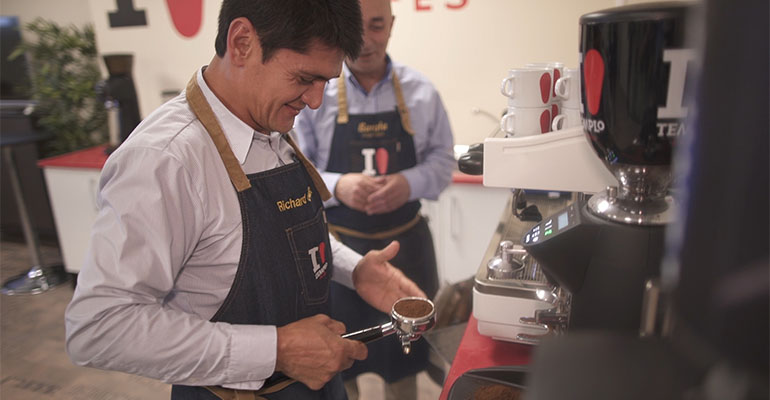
{"x":593,"y":262}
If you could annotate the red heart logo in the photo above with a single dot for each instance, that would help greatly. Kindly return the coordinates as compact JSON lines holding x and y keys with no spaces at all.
{"x":545,"y":87}
{"x":545,"y":121}
{"x":554,"y":110}
{"x":556,"y":76}
{"x":593,"y":75}
{"x":381,"y":158}
{"x":187,"y":16}
{"x":322,"y":250}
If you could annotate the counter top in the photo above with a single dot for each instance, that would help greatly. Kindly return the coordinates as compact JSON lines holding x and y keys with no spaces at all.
{"x":93,"y":158}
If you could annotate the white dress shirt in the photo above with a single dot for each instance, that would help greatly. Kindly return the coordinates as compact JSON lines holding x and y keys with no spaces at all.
{"x":164,"y":251}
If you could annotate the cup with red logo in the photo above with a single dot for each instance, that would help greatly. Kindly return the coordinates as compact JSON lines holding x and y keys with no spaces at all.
{"x":526,"y":121}
{"x":567,"y":88}
{"x":528,"y":87}
{"x":557,"y":71}
{"x":569,"y":118}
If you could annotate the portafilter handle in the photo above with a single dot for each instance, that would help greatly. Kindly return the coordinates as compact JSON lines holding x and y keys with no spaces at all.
{"x":371,"y":334}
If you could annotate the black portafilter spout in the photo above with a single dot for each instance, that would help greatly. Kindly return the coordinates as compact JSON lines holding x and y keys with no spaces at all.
{"x":472,"y":162}
{"x":119,"y":96}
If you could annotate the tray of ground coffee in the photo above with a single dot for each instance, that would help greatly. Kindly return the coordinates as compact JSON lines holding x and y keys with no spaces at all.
{"x":492,"y":383}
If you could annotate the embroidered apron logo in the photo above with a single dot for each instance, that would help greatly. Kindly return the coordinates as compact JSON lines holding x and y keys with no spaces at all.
{"x":318,"y":256}
{"x":372,"y":156}
{"x":285,"y":205}
{"x":369,"y":131}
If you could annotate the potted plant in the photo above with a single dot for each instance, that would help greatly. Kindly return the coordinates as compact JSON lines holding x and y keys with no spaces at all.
{"x":64,"y":74}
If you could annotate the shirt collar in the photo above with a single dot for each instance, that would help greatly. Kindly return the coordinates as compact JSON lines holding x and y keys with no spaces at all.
{"x":238,"y":134}
{"x":388,"y":74}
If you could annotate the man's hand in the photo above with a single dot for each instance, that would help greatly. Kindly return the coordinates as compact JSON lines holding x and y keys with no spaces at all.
{"x":379,"y":283}
{"x":391,"y":195}
{"x":354,"y":189}
{"x":311,"y":350}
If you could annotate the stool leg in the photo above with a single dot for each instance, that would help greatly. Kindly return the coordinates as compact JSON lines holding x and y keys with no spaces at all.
{"x":38,"y":279}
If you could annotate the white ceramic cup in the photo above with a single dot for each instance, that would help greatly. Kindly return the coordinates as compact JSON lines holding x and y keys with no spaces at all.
{"x":527,"y":87}
{"x":567,"y":88}
{"x":557,"y":71}
{"x":555,"y":107}
{"x":569,"y":118}
{"x":526,"y":121}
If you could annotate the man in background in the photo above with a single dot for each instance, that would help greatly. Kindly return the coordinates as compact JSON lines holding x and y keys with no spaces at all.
{"x":383,"y":141}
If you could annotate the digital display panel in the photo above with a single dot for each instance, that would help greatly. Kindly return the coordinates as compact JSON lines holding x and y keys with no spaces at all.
{"x":562,"y":221}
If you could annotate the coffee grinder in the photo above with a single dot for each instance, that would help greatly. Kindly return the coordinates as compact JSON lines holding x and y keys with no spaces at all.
{"x":604,"y":249}
{"x":120,"y":100}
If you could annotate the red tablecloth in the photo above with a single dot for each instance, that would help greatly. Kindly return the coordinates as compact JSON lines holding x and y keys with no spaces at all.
{"x":477,"y":351}
{"x":93,"y":158}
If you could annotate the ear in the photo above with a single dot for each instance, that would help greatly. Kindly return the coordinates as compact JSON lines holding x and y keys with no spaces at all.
{"x":242,"y":41}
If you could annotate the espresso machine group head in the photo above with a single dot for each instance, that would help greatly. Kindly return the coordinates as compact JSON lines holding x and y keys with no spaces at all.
{"x":119,"y":96}
{"x":604,"y":251}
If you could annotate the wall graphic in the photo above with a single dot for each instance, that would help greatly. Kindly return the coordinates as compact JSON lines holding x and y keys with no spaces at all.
{"x":127,"y":15}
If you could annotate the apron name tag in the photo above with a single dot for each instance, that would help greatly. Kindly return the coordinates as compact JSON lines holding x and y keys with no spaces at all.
{"x":285,"y":205}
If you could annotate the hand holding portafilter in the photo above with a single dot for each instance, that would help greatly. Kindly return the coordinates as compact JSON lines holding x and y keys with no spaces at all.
{"x":410,"y":317}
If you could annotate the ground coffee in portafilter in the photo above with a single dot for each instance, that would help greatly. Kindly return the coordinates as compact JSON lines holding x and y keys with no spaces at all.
{"x":497,"y":392}
{"x":413,"y":308}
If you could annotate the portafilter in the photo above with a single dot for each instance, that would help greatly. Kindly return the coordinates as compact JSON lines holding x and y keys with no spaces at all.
{"x":410,"y":317}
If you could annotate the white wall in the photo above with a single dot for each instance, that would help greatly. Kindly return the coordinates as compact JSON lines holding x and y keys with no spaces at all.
{"x":468,"y":51}
{"x":465,"y":51}
{"x":64,"y":12}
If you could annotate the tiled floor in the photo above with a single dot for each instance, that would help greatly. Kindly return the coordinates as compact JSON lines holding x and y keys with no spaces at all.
{"x":33,"y":364}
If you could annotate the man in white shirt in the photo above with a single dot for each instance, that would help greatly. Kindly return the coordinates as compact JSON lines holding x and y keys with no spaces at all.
{"x":210,"y":261}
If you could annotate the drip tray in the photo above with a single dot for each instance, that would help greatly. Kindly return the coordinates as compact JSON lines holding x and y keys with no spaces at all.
{"x":505,"y":382}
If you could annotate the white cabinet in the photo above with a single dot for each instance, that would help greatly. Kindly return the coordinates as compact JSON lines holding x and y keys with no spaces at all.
{"x":462,"y":222}
{"x":73,"y":200}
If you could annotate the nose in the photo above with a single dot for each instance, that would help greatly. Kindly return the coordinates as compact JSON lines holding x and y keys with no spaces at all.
{"x":314,"y":94}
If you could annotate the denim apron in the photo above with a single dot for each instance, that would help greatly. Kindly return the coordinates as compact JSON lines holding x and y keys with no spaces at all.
{"x":379,"y":144}
{"x":286,"y":259}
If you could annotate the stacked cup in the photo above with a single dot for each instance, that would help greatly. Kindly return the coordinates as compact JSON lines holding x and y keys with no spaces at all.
{"x":557,"y":71}
{"x":529,"y":92}
{"x":567,"y":89}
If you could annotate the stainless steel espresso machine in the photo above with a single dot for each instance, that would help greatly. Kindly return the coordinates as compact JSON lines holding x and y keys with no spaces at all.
{"x":586,"y":265}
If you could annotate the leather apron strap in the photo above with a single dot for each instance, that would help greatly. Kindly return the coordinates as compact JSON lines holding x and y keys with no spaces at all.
{"x":336,"y":230}
{"x":204,"y":113}
{"x":232,"y":394}
{"x":342,"y":103}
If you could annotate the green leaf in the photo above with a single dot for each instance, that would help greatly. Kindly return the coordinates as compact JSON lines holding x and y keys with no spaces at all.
{"x":64,"y":71}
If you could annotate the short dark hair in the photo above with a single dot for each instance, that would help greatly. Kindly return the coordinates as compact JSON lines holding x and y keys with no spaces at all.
{"x":294,"y":24}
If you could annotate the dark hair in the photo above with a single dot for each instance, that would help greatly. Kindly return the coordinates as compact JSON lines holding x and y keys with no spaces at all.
{"x":293,"y":24}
